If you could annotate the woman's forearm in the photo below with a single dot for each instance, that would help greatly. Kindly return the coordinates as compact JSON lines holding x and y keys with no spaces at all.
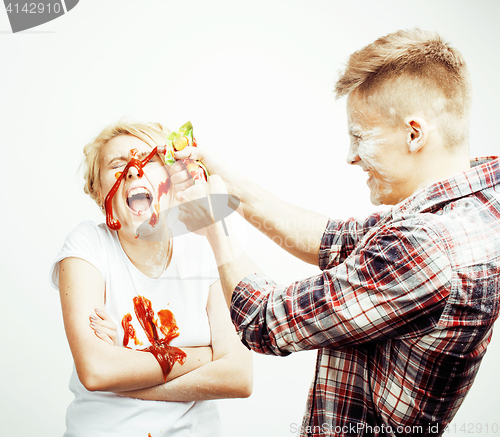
{"x":120,"y":369}
{"x":228,"y":377}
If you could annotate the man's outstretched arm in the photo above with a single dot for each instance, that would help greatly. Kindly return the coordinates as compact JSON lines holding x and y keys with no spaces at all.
{"x":295,"y":229}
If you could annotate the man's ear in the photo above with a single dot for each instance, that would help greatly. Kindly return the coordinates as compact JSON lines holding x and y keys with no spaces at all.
{"x":418,"y":131}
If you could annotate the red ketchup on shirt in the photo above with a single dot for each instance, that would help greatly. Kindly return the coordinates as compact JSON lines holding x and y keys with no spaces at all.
{"x":165,"y":354}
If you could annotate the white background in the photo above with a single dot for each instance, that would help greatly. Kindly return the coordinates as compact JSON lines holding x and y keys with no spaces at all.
{"x":256,"y":80}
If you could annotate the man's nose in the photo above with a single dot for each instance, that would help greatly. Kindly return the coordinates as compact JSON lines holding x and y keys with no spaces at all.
{"x":352,"y":156}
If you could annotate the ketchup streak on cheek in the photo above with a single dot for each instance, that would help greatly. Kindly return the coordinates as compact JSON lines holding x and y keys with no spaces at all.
{"x":163,"y":188}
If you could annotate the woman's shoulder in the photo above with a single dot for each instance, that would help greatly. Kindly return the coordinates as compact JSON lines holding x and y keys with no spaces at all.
{"x":90,"y":238}
{"x":90,"y":230}
{"x":87,"y":241}
{"x":91,"y":226}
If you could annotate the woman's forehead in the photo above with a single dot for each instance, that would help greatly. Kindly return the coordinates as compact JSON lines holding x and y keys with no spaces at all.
{"x":122,"y":145}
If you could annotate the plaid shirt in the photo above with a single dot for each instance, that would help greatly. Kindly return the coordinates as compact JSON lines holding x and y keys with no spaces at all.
{"x":401,"y":314}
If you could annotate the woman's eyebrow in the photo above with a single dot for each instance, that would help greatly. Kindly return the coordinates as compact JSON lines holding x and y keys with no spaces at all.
{"x":143,"y":154}
{"x":126,"y":158}
{"x":118,"y":158}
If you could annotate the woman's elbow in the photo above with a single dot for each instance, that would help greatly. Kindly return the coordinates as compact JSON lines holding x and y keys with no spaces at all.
{"x":90,"y":382}
{"x":244,"y":384}
{"x":246,"y":388}
{"x":238,"y":387}
{"x":91,"y":378}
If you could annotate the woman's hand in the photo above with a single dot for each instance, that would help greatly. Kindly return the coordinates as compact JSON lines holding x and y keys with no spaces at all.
{"x":104,"y":327}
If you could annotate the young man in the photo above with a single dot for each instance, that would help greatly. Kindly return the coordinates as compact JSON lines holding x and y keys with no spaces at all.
{"x":404,"y":307}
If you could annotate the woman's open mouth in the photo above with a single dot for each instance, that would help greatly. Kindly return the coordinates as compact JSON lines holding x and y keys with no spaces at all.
{"x":139,"y":199}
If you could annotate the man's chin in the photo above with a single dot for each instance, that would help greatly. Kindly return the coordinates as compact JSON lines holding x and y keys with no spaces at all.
{"x":382,"y":196}
{"x":375,"y":198}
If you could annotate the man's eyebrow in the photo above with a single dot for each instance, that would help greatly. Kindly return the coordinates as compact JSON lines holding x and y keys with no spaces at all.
{"x":355,"y":130}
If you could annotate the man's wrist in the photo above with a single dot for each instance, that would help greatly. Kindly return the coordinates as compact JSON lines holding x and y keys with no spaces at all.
{"x":224,"y":246}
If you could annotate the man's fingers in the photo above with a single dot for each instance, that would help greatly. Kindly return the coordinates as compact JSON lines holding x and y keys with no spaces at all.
{"x":178,"y":173}
{"x":217,"y":185}
{"x":181,"y":188}
{"x":190,"y":152}
{"x":192,"y":192}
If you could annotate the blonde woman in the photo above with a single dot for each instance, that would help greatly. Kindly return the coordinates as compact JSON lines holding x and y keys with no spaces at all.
{"x":111,"y":279}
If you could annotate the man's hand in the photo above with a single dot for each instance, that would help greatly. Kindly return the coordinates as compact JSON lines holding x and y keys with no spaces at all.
{"x":204,"y":204}
{"x":296,"y":230}
{"x":207,"y":157}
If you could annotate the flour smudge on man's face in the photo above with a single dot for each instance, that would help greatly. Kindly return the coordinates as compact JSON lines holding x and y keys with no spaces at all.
{"x":367,"y":151}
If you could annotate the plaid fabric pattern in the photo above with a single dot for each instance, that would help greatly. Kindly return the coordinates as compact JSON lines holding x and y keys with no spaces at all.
{"x":401,"y":314}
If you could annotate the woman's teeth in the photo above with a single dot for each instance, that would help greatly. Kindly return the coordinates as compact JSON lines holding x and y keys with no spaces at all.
{"x":139,"y":199}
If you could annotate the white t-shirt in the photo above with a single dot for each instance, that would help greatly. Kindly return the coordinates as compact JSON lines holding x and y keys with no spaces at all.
{"x":182,"y":289}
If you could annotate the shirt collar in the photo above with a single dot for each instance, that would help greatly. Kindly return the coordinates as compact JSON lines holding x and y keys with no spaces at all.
{"x":484,"y":173}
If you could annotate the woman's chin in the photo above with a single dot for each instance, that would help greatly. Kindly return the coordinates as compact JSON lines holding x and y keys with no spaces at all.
{"x":151,"y":228}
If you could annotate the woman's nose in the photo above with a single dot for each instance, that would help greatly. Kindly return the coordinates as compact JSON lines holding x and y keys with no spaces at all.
{"x":133,"y":173}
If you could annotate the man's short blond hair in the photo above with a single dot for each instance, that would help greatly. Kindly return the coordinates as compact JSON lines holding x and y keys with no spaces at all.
{"x":153,"y":134}
{"x":410,"y":72}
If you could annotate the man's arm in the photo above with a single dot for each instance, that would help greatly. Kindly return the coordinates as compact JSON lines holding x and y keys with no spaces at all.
{"x":295,"y":229}
{"x":397,"y":280}
{"x":397,"y":284}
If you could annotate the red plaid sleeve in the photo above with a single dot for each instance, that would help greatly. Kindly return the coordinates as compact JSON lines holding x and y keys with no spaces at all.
{"x":341,"y":237}
{"x":393,"y":284}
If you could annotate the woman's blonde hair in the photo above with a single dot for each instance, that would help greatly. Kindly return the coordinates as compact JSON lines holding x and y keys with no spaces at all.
{"x":153,"y":134}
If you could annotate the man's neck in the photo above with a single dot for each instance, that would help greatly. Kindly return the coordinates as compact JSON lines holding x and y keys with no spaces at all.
{"x":441,"y":166}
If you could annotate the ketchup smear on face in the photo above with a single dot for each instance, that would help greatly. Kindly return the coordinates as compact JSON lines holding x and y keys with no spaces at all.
{"x":112,"y":223}
{"x":165,"y":354}
{"x":163,"y":188}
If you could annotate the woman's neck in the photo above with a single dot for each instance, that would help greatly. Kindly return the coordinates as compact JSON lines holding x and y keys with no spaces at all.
{"x":150,"y":257}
